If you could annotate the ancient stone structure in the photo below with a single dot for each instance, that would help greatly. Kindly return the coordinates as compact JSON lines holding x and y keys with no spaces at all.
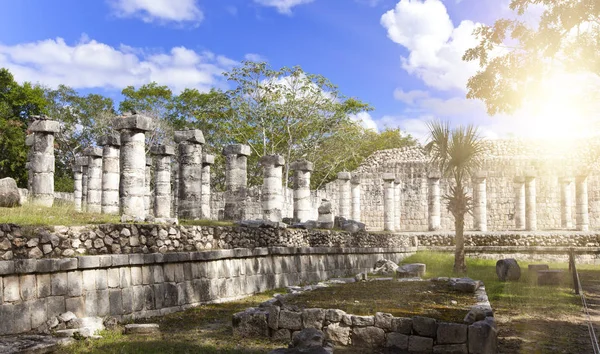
{"x":520,"y":210}
{"x":433,"y":201}
{"x":148,"y":202}
{"x":344,"y":207}
{"x":190,"y":173}
{"x":530,"y":204}
{"x":581,"y":188}
{"x":162,"y":186}
{"x":566,"y":202}
{"x":236,"y":181}
{"x":480,"y":202}
{"x":389,"y":204}
{"x":132,"y":164}
{"x":29,"y":141}
{"x":207,"y":161}
{"x":397,"y":203}
{"x":110,"y":173}
{"x":272,"y":194}
{"x":42,"y":161}
{"x":302,"y":207}
{"x":355,"y":190}
{"x":94,"y":193}
{"x":83,"y":161}
{"x":77,"y":186}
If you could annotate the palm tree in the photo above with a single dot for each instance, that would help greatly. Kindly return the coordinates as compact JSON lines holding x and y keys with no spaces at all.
{"x":457,"y":153}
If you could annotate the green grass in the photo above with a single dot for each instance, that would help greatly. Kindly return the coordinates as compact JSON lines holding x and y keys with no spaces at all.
{"x":60,"y":214}
{"x":205,"y":223}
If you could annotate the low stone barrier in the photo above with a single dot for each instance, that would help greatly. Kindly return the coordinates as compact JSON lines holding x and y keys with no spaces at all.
{"x":129,"y":286}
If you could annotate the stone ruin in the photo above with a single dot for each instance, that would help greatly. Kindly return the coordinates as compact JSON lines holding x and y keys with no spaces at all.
{"x":522,"y":185}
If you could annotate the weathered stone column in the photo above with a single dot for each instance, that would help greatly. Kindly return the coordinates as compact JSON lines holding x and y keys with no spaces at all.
{"x":42,"y":161}
{"x":581,"y":196}
{"x":344,"y":194}
{"x":162,"y":177}
{"x":397,"y":203}
{"x":434,"y":202}
{"x":94,"y":193}
{"x":77,"y":186}
{"x":388,"y":201}
{"x":207,"y":161}
{"x":302,"y":170}
{"x":190,"y":173}
{"x":519,"y":184}
{"x":530,"y":204}
{"x":272,"y":190}
{"x":480,"y":202}
{"x":236,"y":181}
{"x":148,"y":187}
{"x":110,"y":173}
{"x":29,"y":140}
{"x":83,"y":161}
{"x":355,"y":191}
{"x":566,"y":202}
{"x":175,"y":188}
{"x":132,"y":164}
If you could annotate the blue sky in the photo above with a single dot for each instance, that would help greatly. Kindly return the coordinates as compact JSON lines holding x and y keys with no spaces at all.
{"x":401,"y":56}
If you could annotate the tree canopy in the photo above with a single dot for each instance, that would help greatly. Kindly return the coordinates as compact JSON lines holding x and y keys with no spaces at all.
{"x":516,"y":56}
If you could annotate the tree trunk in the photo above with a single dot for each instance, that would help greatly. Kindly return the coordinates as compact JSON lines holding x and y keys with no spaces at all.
{"x":460,"y":266}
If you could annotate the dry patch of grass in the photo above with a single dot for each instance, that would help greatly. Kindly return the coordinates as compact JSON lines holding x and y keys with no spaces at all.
{"x":60,"y":214}
{"x":401,"y":299}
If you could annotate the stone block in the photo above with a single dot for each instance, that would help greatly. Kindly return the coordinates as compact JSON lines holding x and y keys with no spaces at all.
{"x":27,"y":284}
{"x":87,"y":262}
{"x":76,"y":305}
{"x":384,"y":321}
{"x":272,"y":160}
{"x":68,"y":263}
{"x":163,"y":150}
{"x":74,"y":284}
{"x":146,"y":328}
{"x":38,"y":312}
{"x":237,"y":149}
{"x":390,"y":177}
{"x":451,"y":333}
{"x":208,"y":159}
{"x":47,"y":265}
{"x":136,"y":258}
{"x":290,"y":320}
{"x":344,"y":176}
{"x":124,"y":277}
{"x":103,"y":302}
{"x":101,"y":279}
{"x":537,"y":267}
{"x":508,"y":270}
{"x":44,"y":285}
{"x":109,"y":140}
{"x":24,"y":266}
{"x":396,"y":340}
{"x":483,"y":337}
{"x":105,"y":260}
{"x":44,"y":126}
{"x":138,"y":298}
{"x":93,"y":151}
{"x":301,"y":165}
{"x":88,"y":278}
{"x":334,"y":315}
{"x":147,"y":277}
{"x":59,"y":283}
{"x":55,"y":306}
{"x":550,"y":277}
{"x":134,"y":122}
{"x":136,"y":275}
{"x":424,"y":326}
{"x":11,"y":288}
{"x":116,"y":302}
{"x":113,"y":278}
{"x":119,"y":260}
{"x":191,"y":136}
{"x":402,"y":325}
{"x":450,"y":349}
{"x":313,"y":318}
{"x":250,"y":323}
{"x":417,"y":344}
{"x":7,"y":267}
{"x":368,"y":337}
{"x":281,"y":335}
{"x":338,"y":333}
{"x":363,"y":321}
{"x":127,"y":300}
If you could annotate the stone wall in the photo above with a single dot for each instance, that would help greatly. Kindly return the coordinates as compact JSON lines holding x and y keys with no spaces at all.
{"x":17,"y":242}
{"x":145,"y":285}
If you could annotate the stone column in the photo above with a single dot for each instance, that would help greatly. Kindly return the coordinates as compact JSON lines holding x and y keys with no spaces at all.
{"x":272,"y":190}
{"x":190,"y":173}
{"x":162,"y":180}
{"x":581,"y":196}
{"x":110,"y":173}
{"x":236,"y":181}
{"x":397,"y":203}
{"x":530,"y":204}
{"x":148,"y":201}
{"x":433,"y":202}
{"x":42,"y":161}
{"x":132,"y":164}
{"x":355,"y":191}
{"x":77,"y":186}
{"x":480,"y":202}
{"x":566,"y":201}
{"x":388,"y":202}
{"x":302,"y":170}
{"x":175,"y":188}
{"x":344,"y":194}
{"x":94,"y":192}
{"x":207,"y":161}
{"x":29,"y":140}
{"x":83,"y":161}
{"x":519,"y":184}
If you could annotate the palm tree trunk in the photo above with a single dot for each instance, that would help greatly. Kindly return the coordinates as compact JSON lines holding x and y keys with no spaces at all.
{"x":460,"y":266}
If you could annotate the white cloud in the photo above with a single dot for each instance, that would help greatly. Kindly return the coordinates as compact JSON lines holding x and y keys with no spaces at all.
{"x":434,"y":45}
{"x":161,"y":11}
{"x":283,"y":6}
{"x":410,"y":96}
{"x":365,"y":119}
{"x":91,"y":64}
{"x":255,"y":57}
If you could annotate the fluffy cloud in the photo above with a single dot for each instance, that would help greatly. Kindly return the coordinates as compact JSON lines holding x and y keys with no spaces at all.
{"x":283,"y":6}
{"x":435,"y":47}
{"x":91,"y":64}
{"x":365,"y":119}
{"x":161,"y":11}
{"x":255,"y":57}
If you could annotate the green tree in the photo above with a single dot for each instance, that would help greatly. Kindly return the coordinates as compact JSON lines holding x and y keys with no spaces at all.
{"x":457,"y":153}
{"x":515,"y":57}
{"x":17,"y":103}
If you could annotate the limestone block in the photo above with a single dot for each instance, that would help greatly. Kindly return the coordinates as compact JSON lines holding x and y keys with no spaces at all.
{"x":290,"y":320}
{"x":424,"y":326}
{"x":250,"y":323}
{"x":192,"y":136}
{"x":450,"y":349}
{"x":93,"y":151}
{"x":11,"y":288}
{"x":272,"y":160}
{"x":237,"y":149}
{"x":313,"y":318}
{"x":135,"y":122}
{"x":208,"y":159}
{"x":368,"y":337}
{"x":110,"y":140}
{"x":44,"y":126}
{"x":59,"y":283}
{"x":338,"y":333}
{"x":483,"y":337}
{"x":344,"y":176}
{"x":301,"y":165}
{"x":396,"y":340}
{"x":76,"y":305}
{"x":451,"y":333}
{"x":402,"y":325}
{"x":363,"y":321}
{"x":384,"y":321}
{"x":145,"y":328}
{"x":417,"y":344}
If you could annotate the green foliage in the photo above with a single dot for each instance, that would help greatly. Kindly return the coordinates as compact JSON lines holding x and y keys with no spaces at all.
{"x":457,"y":153}
{"x":567,"y":37}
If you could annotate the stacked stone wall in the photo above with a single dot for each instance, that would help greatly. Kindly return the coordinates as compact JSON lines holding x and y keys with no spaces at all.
{"x":145,"y":285}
